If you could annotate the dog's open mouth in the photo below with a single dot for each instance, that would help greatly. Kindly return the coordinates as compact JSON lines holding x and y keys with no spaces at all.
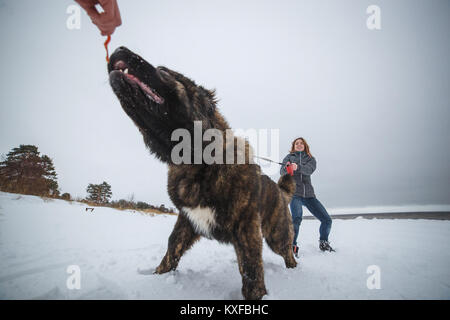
{"x":121,"y":66}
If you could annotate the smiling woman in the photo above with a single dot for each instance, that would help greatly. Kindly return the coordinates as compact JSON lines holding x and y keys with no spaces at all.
{"x":304,"y":164}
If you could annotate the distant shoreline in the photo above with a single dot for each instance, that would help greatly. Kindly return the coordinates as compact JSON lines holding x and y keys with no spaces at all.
{"x":438,"y":215}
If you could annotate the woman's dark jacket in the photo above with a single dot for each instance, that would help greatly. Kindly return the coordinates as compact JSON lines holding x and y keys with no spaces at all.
{"x":302,"y":176}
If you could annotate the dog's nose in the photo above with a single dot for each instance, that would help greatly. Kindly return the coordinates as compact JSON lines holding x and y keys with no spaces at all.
{"x":119,"y":54}
{"x":121,"y":48}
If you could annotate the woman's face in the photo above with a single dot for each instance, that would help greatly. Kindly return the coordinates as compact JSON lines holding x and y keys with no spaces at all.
{"x":299,"y":146}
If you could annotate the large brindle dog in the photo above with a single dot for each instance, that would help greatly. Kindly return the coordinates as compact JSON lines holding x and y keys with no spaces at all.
{"x":232,"y":203}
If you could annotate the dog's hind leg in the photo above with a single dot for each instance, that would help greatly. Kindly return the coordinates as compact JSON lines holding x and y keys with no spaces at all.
{"x":181,"y":239}
{"x":248,"y":246}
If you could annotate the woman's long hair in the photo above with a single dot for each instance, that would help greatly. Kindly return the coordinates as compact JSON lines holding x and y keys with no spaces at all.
{"x":304,"y":142}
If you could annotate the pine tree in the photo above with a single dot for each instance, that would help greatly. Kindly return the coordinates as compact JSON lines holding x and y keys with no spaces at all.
{"x":25,"y":171}
{"x":93,"y":191}
{"x":106,"y":192}
{"x":99,"y":193}
{"x":50,"y":175}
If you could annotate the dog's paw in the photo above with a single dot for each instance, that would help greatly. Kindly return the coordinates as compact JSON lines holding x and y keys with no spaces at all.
{"x":254,"y":291}
{"x":290,"y":262}
{"x":161,"y":269}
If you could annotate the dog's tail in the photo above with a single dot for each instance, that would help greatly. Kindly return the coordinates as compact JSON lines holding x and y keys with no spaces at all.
{"x":287,"y":185}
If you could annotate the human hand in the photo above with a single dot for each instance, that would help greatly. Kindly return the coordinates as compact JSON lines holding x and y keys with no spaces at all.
{"x":294,"y":166}
{"x":106,"y":21}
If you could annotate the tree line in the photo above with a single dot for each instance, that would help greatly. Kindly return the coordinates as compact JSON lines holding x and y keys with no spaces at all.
{"x":24,"y":170}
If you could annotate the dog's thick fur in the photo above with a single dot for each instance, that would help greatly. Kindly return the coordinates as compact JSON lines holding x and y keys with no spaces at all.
{"x":232,"y":203}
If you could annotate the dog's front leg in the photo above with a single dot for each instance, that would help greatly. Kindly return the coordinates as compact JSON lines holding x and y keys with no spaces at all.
{"x":182,"y":238}
{"x":248,"y":246}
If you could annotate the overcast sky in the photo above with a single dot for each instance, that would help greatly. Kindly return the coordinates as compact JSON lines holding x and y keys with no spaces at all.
{"x":373,"y":104}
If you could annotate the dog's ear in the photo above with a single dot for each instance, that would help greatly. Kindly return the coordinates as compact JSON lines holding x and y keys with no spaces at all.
{"x":210,"y":101}
{"x":212,"y":95}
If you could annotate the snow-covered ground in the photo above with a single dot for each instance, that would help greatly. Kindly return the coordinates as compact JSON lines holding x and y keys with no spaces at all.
{"x":116,"y":252}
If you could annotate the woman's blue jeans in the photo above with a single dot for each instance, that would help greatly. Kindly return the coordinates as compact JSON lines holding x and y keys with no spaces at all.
{"x":316,"y":208}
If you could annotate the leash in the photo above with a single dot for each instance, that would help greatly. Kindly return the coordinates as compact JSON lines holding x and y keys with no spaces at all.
{"x":268,"y":160}
{"x":288,"y":166}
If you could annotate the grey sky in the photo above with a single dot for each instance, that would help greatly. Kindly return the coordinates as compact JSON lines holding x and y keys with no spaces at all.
{"x":374,"y":105}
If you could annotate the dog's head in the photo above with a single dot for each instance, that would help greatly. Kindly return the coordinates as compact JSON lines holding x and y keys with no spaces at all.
{"x":160,"y":100}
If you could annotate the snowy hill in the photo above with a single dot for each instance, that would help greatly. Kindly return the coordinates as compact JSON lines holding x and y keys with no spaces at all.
{"x":116,"y":252}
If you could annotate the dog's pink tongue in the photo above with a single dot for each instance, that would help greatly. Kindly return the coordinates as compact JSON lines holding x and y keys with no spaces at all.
{"x":146,"y":89}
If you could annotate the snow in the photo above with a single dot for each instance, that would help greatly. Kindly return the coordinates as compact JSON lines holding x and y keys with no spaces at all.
{"x":117,"y":252}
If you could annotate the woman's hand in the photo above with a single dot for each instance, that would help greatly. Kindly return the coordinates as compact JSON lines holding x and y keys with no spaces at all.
{"x":107,"y":21}
{"x":294,"y":165}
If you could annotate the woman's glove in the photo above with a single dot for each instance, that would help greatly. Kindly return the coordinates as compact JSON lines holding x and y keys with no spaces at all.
{"x":290,"y":167}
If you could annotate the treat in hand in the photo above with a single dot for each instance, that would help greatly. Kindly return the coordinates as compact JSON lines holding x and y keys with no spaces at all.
{"x":108,"y":20}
